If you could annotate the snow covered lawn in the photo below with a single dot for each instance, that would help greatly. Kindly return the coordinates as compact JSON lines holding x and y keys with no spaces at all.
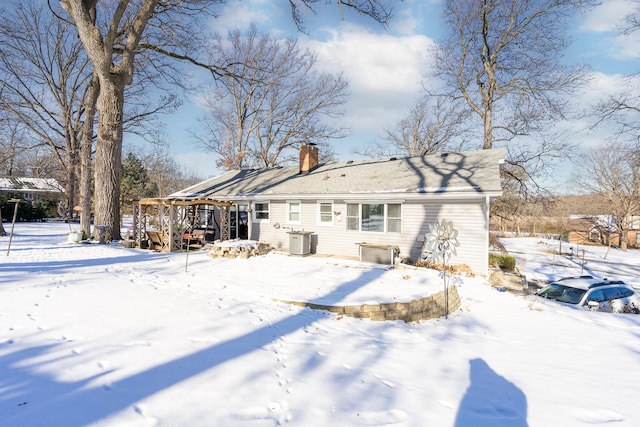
{"x":104,"y":335}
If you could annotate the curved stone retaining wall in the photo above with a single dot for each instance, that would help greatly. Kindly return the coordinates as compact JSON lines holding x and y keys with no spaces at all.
{"x":430,"y":307}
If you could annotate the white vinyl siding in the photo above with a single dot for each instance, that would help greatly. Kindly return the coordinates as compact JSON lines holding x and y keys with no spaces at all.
{"x":469,"y":217}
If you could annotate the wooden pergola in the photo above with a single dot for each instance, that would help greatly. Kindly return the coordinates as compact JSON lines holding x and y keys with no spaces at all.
{"x":175,"y":217}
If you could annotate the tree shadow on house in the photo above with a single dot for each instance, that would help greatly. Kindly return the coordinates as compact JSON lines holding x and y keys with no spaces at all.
{"x":491,"y":400}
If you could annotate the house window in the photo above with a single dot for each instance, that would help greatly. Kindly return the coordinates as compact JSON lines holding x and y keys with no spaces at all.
{"x":376,"y":217}
{"x":372,"y":217}
{"x":325,"y":213}
{"x":394,"y":218}
{"x":261,"y":211}
{"x":353,"y":217}
{"x":294,"y":215}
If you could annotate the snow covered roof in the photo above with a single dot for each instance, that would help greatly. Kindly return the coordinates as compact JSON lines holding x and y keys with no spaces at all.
{"x":463,"y":173}
{"x":30,"y":185}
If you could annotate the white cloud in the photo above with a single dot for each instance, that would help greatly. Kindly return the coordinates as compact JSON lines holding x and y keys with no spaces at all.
{"x":384,"y":70}
{"x":202,"y":163}
{"x":607,"y":19}
{"x":404,"y":22}
{"x":607,"y":16}
{"x":599,"y":86}
{"x":240,"y":15}
{"x":627,"y":47}
{"x":589,"y":131}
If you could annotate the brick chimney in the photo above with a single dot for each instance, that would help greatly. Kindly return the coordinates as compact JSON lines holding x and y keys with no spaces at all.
{"x":308,"y":158}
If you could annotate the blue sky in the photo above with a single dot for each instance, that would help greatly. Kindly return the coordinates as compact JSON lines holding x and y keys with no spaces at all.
{"x":386,"y":66}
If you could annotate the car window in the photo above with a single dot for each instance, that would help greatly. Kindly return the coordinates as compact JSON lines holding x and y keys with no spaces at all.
{"x":597,"y":296}
{"x":616,"y":293}
{"x":562,"y":293}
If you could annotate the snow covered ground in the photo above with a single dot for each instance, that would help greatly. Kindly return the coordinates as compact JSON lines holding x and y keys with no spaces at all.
{"x":103,"y":335}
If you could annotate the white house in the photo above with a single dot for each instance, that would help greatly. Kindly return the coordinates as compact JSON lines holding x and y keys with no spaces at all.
{"x":30,"y":189}
{"x":339,"y":206}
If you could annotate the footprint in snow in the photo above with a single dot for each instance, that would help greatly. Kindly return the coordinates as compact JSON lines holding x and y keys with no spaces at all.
{"x":142,"y":411}
{"x":276,"y":411}
{"x":446,"y":404}
{"x":385,"y":382}
{"x":381,"y":418}
{"x":598,"y":416}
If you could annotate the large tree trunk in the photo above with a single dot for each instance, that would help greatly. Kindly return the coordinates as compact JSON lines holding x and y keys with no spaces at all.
{"x":85,"y":155}
{"x":488,"y":128}
{"x":624,"y":236}
{"x":109,"y":155}
{"x":71,"y":173}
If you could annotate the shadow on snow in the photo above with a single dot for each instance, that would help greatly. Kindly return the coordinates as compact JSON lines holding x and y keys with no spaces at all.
{"x":491,"y":400}
{"x":73,"y":404}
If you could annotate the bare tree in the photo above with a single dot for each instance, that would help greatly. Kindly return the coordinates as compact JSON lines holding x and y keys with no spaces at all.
{"x":13,"y":146}
{"x":622,"y":109}
{"x":86,"y":153}
{"x":112,"y":34}
{"x":632,"y":21}
{"x":434,"y":123}
{"x":45,"y":74}
{"x":271,"y":102}
{"x":613,"y":173}
{"x":110,"y":38}
{"x":504,"y":58}
{"x":379,"y":10}
{"x":165,"y":172}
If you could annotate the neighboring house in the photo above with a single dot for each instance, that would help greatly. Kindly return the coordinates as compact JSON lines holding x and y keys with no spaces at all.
{"x":28,"y":190}
{"x":601,"y":229}
{"x":383,"y":202}
{"x":31,"y":189}
{"x":586,"y":230}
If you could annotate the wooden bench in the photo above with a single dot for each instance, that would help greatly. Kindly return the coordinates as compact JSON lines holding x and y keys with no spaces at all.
{"x":155,"y":240}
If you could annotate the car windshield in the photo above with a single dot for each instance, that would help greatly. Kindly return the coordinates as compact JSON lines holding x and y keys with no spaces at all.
{"x":562,"y":293}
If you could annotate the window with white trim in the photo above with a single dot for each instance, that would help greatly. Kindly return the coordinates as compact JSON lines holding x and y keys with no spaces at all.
{"x":353,"y":216}
{"x":325,"y":213}
{"x":376,"y":217}
{"x":372,"y":217}
{"x":261,"y":211}
{"x":294,"y":212}
{"x":394,"y":218}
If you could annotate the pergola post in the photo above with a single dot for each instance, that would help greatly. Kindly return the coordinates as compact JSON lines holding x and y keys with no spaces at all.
{"x":225,"y":223}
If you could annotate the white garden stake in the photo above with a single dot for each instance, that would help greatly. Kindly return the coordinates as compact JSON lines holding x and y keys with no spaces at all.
{"x":441,"y":241}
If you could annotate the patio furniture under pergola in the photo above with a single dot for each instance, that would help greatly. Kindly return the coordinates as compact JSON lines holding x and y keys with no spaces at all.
{"x":175,"y":218}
